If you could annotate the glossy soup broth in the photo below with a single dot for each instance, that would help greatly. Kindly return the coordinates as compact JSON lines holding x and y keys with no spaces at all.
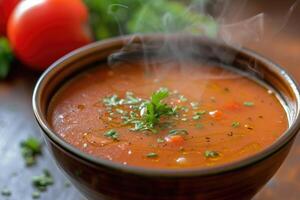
{"x":166,"y":115}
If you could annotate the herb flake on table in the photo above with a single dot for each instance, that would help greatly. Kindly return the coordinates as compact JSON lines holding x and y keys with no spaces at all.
{"x":30,"y":149}
{"x":6,"y":192}
{"x":42,"y":182}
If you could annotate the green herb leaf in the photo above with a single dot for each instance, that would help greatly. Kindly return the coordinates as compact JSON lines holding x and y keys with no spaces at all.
{"x":152,"y":155}
{"x":112,"y":134}
{"x":196,"y":117}
{"x":235,"y":124}
{"x":178,"y":132}
{"x":43,"y":181}
{"x":36,"y":195}
{"x":248,"y":103}
{"x":30,"y":149}
{"x":111,"y":100}
{"x":160,"y":140}
{"x":5,"y":192}
{"x":211,"y":154}
{"x":195,"y":105}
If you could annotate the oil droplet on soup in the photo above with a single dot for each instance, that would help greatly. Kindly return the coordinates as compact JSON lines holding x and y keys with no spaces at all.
{"x":167,"y":117}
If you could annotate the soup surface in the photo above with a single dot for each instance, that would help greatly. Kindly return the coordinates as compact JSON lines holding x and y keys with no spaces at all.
{"x":166,"y":115}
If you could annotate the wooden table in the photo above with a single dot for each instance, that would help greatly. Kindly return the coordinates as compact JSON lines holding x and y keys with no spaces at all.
{"x":17,"y":121}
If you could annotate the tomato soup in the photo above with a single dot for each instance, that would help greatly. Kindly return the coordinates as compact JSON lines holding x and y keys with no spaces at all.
{"x":165,"y":115}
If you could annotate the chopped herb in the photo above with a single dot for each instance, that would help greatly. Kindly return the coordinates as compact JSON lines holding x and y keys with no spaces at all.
{"x":36,"y":195}
{"x":131,"y":99}
{"x":120,"y":111}
{"x":160,"y":140}
{"x":182,"y":98}
{"x":111,"y":100}
{"x":30,"y":149}
{"x":202,"y":112}
{"x":178,"y":132}
{"x":184,"y":108}
{"x":194,"y":105}
{"x":5,"y":192}
{"x":112,"y":134}
{"x":211,"y":154}
{"x":248,"y":103}
{"x":152,"y":110}
{"x":235,"y":124}
{"x":43,"y":181}
{"x":152,"y":155}
{"x":196,"y":117}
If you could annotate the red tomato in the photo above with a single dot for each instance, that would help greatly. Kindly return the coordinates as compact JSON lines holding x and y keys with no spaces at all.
{"x":6,"y":8}
{"x":42,"y":31}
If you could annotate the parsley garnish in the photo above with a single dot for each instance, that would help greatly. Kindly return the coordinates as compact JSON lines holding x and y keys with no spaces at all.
{"x":248,"y":103}
{"x":30,"y":149}
{"x":211,"y":154}
{"x":111,"y":100}
{"x":235,"y":124}
{"x":5,"y":192}
{"x":43,"y":181}
{"x":152,"y":110}
{"x":160,"y":140}
{"x":178,"y":132}
{"x":36,"y":195}
{"x":196,"y":117}
{"x":152,"y":155}
{"x":112,"y":134}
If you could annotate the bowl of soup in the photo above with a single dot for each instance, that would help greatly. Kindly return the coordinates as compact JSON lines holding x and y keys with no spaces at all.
{"x":167,"y":117}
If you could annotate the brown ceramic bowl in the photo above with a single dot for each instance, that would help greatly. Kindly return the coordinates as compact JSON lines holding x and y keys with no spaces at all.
{"x":102,"y":179}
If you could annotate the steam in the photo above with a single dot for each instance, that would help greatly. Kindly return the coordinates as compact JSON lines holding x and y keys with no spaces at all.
{"x":199,"y":18}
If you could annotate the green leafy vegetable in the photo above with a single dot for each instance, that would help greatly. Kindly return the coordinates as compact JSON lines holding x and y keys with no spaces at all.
{"x":6,"y":57}
{"x":121,"y":17}
{"x":170,"y":17}
{"x":30,"y":149}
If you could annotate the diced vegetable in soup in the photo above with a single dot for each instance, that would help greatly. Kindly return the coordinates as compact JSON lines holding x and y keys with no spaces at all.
{"x":167,"y":115}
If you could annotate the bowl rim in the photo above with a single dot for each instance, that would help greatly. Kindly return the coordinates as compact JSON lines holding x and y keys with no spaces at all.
{"x":284,"y":139}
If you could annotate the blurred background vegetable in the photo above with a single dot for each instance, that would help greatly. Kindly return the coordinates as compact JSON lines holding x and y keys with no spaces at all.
{"x":6,"y":8}
{"x":6,"y":57}
{"x":118,"y":17}
{"x":40,"y":32}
